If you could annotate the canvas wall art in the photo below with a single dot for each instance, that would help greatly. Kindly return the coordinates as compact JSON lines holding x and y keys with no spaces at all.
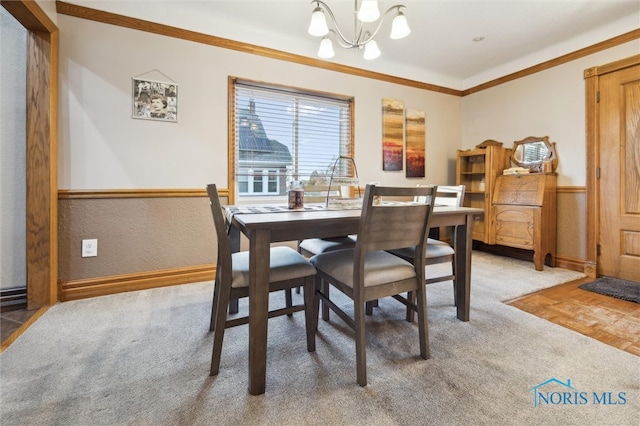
{"x":415,"y":143}
{"x":392,"y":134}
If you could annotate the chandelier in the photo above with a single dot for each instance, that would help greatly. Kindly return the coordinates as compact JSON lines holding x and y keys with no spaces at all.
{"x":362,"y":37}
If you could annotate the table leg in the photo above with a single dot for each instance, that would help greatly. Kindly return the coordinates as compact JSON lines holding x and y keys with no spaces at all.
{"x":463,"y":247}
{"x":258,"y":309}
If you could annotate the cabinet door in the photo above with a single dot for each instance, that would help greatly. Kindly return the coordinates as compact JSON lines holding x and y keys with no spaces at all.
{"x":514,"y":226}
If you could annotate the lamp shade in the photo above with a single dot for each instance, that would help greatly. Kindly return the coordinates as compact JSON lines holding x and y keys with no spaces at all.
{"x":371,"y":50}
{"x":368,"y":11}
{"x":399,"y":27}
{"x":318,"y":26}
{"x":326,"y":48}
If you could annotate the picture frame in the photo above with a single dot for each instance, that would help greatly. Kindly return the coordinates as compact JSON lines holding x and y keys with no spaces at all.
{"x":154,"y":100}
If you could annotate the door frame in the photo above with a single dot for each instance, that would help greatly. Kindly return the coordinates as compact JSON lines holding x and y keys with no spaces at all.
{"x":42,"y":151}
{"x":591,"y":76}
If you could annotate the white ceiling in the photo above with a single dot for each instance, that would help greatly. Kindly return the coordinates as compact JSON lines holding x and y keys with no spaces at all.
{"x":440,"y":49}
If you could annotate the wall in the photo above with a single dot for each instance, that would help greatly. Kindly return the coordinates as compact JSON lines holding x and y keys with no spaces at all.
{"x":12,"y":152}
{"x":102,"y":148}
{"x":548,"y":103}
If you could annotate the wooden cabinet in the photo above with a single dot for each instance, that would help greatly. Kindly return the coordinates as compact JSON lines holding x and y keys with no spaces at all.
{"x":477,"y":169}
{"x":523,"y":215}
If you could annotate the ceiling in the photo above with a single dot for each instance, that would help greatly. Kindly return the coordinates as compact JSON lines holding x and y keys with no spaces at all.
{"x":440,"y":49}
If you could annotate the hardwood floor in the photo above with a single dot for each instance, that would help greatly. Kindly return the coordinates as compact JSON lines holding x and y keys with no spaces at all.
{"x":14,"y":322}
{"x":612,"y":321}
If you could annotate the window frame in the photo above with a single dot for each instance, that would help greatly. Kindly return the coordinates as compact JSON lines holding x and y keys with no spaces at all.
{"x":231,"y":178}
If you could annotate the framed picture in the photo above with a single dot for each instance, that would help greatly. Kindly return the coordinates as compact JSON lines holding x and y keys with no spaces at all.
{"x":155,"y":100}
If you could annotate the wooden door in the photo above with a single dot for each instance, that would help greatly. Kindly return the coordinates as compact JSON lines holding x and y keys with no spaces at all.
{"x":619,"y":136}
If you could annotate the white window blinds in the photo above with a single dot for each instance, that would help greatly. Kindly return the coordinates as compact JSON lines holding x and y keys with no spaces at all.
{"x":283,"y":135}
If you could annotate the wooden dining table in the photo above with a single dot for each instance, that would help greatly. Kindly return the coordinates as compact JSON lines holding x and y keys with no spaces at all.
{"x":266,"y":227}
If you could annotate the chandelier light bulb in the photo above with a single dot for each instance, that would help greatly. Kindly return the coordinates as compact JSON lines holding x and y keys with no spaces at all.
{"x":318,"y":26}
{"x":326,"y":48}
{"x":368,"y":11}
{"x":371,"y":50}
{"x":399,"y":27}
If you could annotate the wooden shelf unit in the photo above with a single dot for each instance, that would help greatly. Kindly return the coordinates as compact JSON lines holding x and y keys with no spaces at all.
{"x":477,"y":170}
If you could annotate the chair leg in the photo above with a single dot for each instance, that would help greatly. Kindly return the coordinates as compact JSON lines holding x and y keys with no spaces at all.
{"x":361,"y":351}
{"x":214,"y":303}
{"x":423,"y":324}
{"x":370,"y":305}
{"x":411,"y":298}
{"x":288,"y":299}
{"x":224,"y":293}
{"x":325,"y":308}
{"x":233,"y":306}
{"x":310,"y":312}
{"x":453,"y":271}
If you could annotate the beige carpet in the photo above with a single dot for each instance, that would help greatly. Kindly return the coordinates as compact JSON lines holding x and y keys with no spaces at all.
{"x":142,"y":358}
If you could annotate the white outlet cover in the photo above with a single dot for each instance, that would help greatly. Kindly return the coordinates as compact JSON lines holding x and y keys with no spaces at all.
{"x":89,"y":248}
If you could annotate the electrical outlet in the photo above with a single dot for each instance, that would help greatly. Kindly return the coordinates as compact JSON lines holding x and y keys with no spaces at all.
{"x":89,"y":248}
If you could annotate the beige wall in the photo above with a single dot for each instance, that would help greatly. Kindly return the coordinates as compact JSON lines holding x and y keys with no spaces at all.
{"x":548,"y":103}
{"x":102,"y":147}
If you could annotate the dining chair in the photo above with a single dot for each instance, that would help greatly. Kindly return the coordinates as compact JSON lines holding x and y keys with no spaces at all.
{"x":288,"y":269}
{"x":438,"y":251}
{"x":369,"y":272}
{"x":312,"y":246}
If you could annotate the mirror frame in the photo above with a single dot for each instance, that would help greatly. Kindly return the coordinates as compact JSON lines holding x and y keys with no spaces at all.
{"x":538,"y":166}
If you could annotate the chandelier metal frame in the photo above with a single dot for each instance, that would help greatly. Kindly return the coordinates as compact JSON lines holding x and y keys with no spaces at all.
{"x":361,"y":36}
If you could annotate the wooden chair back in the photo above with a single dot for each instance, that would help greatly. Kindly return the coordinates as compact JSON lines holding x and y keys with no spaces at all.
{"x":223,"y":265}
{"x":451,"y":196}
{"x":394,"y":225}
{"x":318,"y":193}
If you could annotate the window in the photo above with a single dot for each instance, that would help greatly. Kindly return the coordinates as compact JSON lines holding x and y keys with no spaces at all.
{"x":282,"y":134}
{"x":259,"y":182}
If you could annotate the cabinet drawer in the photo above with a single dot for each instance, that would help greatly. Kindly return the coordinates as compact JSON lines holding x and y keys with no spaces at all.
{"x":514,"y":225}
{"x":519,"y":190}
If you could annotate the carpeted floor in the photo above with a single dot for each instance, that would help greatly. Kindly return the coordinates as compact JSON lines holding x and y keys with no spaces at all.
{"x":142,"y":358}
{"x":614,"y":287}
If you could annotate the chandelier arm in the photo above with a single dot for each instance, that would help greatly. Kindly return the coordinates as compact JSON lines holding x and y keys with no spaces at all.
{"x":382,"y":18}
{"x":342,"y":40}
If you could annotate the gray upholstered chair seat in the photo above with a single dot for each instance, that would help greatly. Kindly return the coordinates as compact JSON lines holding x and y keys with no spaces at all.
{"x":434,"y":241}
{"x":285,"y":264}
{"x":436,"y":249}
{"x":314,"y":246}
{"x":379,"y":267}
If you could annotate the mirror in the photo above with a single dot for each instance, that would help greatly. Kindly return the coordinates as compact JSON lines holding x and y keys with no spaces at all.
{"x":536,"y":154}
